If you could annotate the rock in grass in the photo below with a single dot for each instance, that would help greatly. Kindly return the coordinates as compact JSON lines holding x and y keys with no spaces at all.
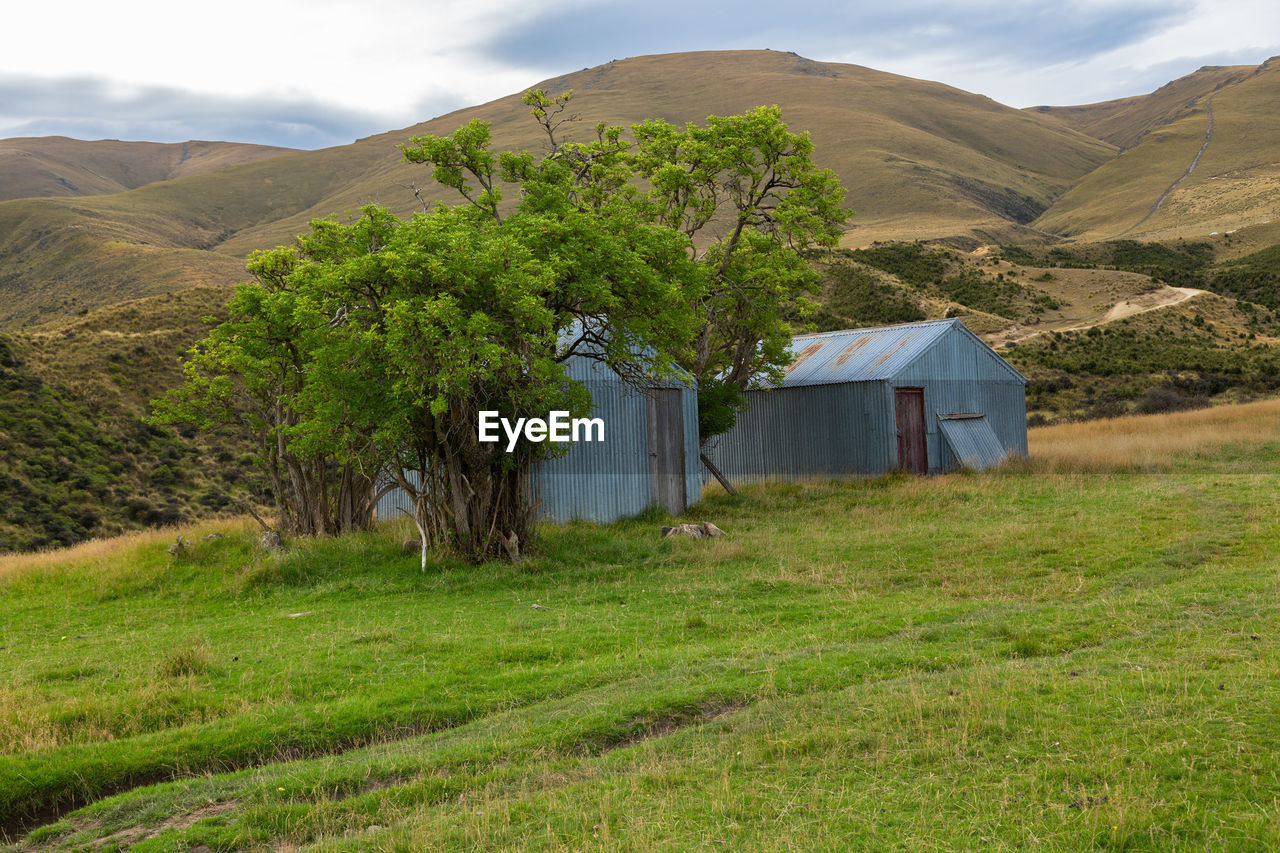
{"x":271,"y":540}
{"x":694,"y":531}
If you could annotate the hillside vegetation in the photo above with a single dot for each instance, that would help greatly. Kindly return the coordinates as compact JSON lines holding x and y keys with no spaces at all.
{"x":889,"y":664}
{"x":77,"y":459}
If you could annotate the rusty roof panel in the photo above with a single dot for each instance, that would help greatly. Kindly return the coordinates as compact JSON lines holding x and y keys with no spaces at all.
{"x":847,"y":352}
{"x":861,"y":355}
{"x":804,"y":354}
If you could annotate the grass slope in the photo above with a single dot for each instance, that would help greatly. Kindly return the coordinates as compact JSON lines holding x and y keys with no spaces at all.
{"x":914,"y":155}
{"x":1076,"y":653}
{"x":36,"y":167}
{"x":76,"y":458}
{"x":1234,"y":185}
{"x":1125,"y":121}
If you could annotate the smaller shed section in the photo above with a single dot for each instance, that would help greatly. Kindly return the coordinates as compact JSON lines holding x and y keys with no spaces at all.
{"x":649,"y":455}
{"x":925,"y":397}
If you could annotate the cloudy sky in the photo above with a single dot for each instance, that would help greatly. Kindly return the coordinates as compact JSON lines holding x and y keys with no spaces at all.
{"x":312,"y":73}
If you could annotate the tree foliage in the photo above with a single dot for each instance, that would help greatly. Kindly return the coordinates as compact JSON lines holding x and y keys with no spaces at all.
{"x":251,"y":373}
{"x":747,"y":194}
{"x":371,"y":347}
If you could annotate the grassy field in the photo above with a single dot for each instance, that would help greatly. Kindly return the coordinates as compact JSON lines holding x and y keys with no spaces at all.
{"x":1075,"y":652}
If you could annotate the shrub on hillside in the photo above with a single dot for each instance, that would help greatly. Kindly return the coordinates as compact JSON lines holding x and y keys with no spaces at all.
{"x":1166,"y":399}
{"x":914,"y":263}
{"x":856,"y":297}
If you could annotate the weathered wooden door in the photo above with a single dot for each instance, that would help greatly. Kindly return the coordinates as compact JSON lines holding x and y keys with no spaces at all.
{"x":665,"y":417}
{"x":913,"y":453}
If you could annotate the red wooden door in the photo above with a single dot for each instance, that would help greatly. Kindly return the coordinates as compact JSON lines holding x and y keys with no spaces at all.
{"x":913,"y":453}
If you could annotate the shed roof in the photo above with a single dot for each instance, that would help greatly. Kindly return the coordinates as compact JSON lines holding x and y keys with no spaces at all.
{"x":869,"y":355}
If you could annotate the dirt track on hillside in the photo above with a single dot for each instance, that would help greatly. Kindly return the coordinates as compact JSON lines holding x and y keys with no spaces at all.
{"x":1127,"y":307}
{"x":1195,"y":161}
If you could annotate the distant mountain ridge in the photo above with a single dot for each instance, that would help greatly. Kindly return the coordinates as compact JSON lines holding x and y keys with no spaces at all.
{"x":40,"y":167}
{"x":1123,"y":122}
{"x":920,"y":160}
{"x":1200,"y":158}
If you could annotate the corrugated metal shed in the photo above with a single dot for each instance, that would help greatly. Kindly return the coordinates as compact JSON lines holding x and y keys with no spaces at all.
{"x":836,"y":412}
{"x":616,"y":478}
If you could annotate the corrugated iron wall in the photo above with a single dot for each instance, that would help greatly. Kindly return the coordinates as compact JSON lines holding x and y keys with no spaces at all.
{"x":844,"y":430}
{"x":969,"y":440}
{"x":692,"y":447}
{"x":600,"y":481}
{"x":958,"y":376}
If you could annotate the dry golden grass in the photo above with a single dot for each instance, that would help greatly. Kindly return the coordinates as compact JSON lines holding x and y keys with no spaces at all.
{"x":57,"y":166}
{"x":1150,"y":441}
{"x":101,"y":554}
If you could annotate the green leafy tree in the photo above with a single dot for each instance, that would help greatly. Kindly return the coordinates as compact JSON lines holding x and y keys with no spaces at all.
{"x":746,"y":192}
{"x":374,"y":346}
{"x":249,"y":374}
{"x":430,"y":321}
{"x":743,"y":190}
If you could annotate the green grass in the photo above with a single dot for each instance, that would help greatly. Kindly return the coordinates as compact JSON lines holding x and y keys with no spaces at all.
{"x":1002,"y":661}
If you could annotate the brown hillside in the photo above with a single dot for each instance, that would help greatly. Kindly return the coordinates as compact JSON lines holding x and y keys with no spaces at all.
{"x":918,"y":158}
{"x":1235,"y":182}
{"x":909,"y":151}
{"x":40,"y":167}
{"x":1125,"y":121}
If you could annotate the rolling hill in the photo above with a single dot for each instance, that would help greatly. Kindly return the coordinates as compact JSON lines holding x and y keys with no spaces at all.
{"x":1201,"y":158}
{"x":1125,"y":121}
{"x":39,"y":167}
{"x":919,"y":159}
{"x":99,"y":293}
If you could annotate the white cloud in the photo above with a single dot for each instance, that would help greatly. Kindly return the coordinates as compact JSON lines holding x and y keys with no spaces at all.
{"x":379,"y":65}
